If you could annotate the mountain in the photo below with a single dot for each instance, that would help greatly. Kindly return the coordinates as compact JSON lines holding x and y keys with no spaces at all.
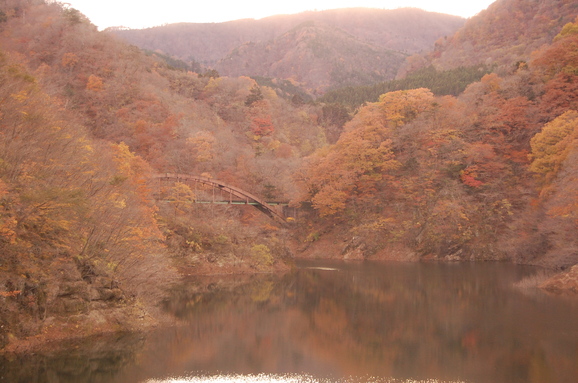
{"x":505,"y":33}
{"x":317,"y":56}
{"x":86,"y":120}
{"x":274,"y":45}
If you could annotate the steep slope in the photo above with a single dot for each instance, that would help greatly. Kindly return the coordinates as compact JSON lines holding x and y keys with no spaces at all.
{"x":407,"y":30}
{"x":79,"y":241}
{"x":487,"y":175}
{"x":490,"y":174}
{"x":316,"y":56}
{"x":84,"y":121}
{"x":507,"y":32}
{"x":210,"y":42}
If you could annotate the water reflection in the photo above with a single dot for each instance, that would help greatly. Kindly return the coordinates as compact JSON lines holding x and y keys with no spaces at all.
{"x":97,"y":359}
{"x":360,"y":322}
{"x":293,"y":378}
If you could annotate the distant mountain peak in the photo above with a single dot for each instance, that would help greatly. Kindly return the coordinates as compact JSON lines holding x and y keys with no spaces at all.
{"x":345,"y":46}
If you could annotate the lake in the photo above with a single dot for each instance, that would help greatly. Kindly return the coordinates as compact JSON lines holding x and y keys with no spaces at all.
{"x":334,"y":321}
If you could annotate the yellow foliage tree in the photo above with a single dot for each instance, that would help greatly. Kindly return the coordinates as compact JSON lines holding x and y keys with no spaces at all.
{"x":567,"y":30}
{"x":69,"y":60}
{"x":202,"y":144}
{"x":261,"y":256}
{"x":181,"y":197}
{"x":402,"y":106}
{"x":554,"y":153}
{"x":550,"y":147}
{"x":94,"y":83}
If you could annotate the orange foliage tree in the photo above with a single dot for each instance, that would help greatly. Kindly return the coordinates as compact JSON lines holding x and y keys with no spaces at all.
{"x":359,"y":163}
{"x":551,"y":146}
{"x":66,"y":199}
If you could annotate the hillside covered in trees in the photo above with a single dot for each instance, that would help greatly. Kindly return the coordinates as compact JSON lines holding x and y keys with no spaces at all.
{"x":86,"y":120}
{"x":505,"y":33}
{"x":485,"y":175}
{"x":314,"y":56}
{"x":315,"y":50}
{"x":441,"y":83}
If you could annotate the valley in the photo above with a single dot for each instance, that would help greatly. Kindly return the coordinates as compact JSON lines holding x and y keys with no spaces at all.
{"x":454,"y":142}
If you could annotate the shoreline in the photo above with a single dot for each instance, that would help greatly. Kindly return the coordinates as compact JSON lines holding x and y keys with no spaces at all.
{"x":135,"y":318}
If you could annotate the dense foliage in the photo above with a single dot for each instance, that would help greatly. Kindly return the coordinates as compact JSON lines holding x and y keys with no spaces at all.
{"x":486,"y":175}
{"x":505,"y":33}
{"x":441,"y":83}
{"x":77,"y":227}
{"x":85,"y":121}
{"x":422,"y":172}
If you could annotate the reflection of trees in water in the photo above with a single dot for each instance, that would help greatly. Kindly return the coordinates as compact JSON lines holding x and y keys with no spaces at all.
{"x":426,"y":320}
{"x":395,"y":320}
{"x":449,"y":322}
{"x":201,"y":296}
{"x":90,"y":360}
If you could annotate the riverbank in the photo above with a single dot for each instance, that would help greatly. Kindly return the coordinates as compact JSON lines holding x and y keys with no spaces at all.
{"x":355,"y":321}
{"x":122,"y":316}
{"x":138,"y":317}
{"x":564,"y":282}
{"x":336,"y":243}
{"x":54,"y":331}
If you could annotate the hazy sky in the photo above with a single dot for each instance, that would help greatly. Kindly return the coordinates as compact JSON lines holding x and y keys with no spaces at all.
{"x":146,"y":13}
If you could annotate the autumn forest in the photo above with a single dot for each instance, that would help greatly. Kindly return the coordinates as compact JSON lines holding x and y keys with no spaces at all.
{"x":463,"y":147}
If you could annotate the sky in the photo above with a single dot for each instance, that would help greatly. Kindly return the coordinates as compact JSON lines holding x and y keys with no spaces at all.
{"x":147,"y":13}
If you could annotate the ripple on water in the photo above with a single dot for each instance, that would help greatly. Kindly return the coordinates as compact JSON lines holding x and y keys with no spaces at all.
{"x":289,"y":378}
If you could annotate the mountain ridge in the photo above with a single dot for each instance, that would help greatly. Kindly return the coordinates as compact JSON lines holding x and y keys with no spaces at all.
{"x":315,"y":55}
{"x":353,"y":20}
{"x":384,"y":30}
{"x":506,"y":32}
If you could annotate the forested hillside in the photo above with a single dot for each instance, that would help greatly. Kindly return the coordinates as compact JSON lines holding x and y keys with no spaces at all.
{"x":314,"y":56}
{"x":498,"y":39}
{"x":441,"y":83}
{"x":505,"y":33}
{"x":86,"y":120}
{"x":316,"y":50}
{"x":489,"y":174}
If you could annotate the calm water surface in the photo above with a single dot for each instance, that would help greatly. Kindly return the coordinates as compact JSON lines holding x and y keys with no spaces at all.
{"x":340,"y":322}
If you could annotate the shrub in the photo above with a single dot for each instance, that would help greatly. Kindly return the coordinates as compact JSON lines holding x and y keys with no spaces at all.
{"x":261,"y":256}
